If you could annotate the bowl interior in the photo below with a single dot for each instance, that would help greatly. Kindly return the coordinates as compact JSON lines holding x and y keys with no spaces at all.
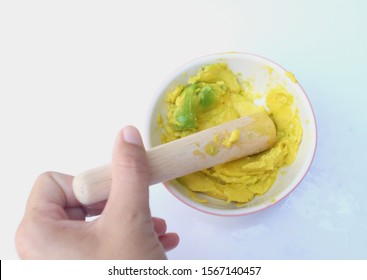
{"x":263,"y":73}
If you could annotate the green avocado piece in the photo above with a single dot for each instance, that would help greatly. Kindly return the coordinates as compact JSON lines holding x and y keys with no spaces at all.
{"x":186,"y":115}
{"x":197,"y":97}
{"x":207,"y":97}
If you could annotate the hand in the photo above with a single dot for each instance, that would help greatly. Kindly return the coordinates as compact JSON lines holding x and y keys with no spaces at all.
{"x":54,"y":226}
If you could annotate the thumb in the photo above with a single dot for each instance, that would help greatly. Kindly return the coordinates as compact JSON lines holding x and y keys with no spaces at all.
{"x":130,"y":176}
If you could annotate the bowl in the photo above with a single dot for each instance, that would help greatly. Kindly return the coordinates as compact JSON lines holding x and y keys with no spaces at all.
{"x":256,"y":68}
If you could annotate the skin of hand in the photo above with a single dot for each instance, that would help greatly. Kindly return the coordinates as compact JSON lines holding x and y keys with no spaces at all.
{"x":54,"y":226}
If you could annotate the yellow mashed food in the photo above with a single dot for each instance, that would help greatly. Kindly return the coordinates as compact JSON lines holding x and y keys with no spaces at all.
{"x":215,"y":96}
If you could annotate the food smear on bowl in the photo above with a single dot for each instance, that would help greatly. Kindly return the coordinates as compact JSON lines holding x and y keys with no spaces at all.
{"x":215,"y":96}
{"x":223,"y":139}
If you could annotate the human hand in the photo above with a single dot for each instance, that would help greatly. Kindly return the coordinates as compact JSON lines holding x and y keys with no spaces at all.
{"x":54,"y":227}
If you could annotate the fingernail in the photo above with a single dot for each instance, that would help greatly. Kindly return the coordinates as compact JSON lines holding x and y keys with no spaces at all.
{"x":131,"y":135}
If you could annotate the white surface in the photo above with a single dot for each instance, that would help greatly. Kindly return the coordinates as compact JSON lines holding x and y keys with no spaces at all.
{"x":73,"y":72}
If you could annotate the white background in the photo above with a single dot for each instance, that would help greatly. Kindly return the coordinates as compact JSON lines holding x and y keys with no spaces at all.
{"x":72,"y":73}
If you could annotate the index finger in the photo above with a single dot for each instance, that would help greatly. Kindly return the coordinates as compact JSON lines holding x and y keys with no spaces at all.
{"x":52,"y":193}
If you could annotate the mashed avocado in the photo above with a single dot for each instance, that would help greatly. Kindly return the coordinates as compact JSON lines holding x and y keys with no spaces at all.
{"x":215,"y":96}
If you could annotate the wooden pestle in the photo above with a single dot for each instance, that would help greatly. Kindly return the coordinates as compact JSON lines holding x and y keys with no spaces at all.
{"x":229,"y":141}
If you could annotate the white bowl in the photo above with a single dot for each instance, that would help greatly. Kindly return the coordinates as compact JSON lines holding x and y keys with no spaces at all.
{"x":256,"y":68}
